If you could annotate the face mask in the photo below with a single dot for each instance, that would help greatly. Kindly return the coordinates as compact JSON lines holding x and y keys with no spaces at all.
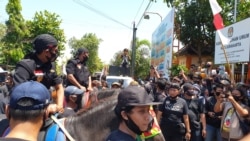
{"x":190,"y":92}
{"x":132,"y":126}
{"x":196,"y":82}
{"x":196,"y":92}
{"x":208,"y":66}
{"x":52,"y":57}
{"x":85,"y":59}
{"x":237,"y":98}
{"x":217,"y":93}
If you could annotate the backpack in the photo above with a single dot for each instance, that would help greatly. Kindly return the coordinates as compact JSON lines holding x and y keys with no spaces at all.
{"x":51,"y":132}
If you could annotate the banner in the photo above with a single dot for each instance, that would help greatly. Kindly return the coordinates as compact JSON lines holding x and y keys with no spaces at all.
{"x":237,"y":50}
{"x":162,"y":45}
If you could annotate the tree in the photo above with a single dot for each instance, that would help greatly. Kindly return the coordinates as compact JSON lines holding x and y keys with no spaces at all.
{"x":91,"y":42}
{"x":16,"y":31}
{"x":194,"y":20}
{"x":45,"y":22}
{"x":2,"y":34}
{"x":20,"y":33}
{"x":142,"y":62}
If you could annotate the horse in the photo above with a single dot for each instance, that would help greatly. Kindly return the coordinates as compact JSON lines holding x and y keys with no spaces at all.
{"x":98,"y":121}
{"x":95,"y":122}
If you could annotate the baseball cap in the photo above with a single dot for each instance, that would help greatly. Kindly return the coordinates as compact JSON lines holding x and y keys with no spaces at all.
{"x":44,"y":41}
{"x":175,"y":86}
{"x":187,"y":86}
{"x":116,"y":83}
{"x":33,"y":90}
{"x":72,"y":90}
{"x":197,"y":88}
{"x":134,"y":96}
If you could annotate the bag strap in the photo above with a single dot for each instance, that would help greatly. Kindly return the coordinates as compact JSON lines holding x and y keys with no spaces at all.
{"x":62,"y":128}
{"x":240,"y":120}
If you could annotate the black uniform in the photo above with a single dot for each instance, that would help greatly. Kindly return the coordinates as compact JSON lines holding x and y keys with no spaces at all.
{"x":79,"y":70}
{"x":195,"y":108}
{"x":172,"y":125}
{"x":33,"y":69}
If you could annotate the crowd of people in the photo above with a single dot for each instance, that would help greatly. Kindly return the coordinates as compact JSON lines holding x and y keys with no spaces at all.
{"x":197,"y":108}
{"x":193,"y":107}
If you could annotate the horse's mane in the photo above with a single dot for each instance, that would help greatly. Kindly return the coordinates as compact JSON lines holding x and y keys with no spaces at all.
{"x":97,"y":121}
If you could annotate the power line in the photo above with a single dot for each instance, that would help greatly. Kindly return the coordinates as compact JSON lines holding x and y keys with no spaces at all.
{"x":143,"y":14}
{"x":139,"y":9}
{"x":100,"y":13}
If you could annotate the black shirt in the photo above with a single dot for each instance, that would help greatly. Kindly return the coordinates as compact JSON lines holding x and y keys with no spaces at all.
{"x":33,"y":69}
{"x":118,"y":135}
{"x":79,"y":70}
{"x":195,"y":108}
{"x":172,"y":112}
{"x":214,"y":120}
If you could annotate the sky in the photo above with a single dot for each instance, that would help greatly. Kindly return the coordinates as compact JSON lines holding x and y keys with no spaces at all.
{"x":115,"y":28}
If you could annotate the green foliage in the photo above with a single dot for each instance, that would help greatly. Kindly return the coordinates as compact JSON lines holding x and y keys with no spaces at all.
{"x":175,"y":69}
{"x":2,"y":34}
{"x":20,"y":33}
{"x":116,"y":61}
{"x":194,"y":21}
{"x":45,"y":22}
{"x":16,"y":31}
{"x":91,"y":42}
{"x":142,"y":62}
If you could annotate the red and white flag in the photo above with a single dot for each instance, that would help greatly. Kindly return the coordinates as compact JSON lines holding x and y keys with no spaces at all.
{"x":218,"y":21}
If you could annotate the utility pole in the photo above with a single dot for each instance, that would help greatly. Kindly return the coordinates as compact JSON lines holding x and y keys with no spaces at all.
{"x":133,"y":51}
{"x":133,"y":57}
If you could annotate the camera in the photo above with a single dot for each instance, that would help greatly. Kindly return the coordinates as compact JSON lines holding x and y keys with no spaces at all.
{"x":227,"y":94}
{"x":151,"y":67}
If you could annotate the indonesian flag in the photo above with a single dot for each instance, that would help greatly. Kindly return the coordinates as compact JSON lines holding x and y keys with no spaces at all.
{"x":218,"y":21}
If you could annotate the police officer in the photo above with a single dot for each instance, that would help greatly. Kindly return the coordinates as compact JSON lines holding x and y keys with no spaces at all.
{"x":39,"y":66}
{"x":77,"y":72}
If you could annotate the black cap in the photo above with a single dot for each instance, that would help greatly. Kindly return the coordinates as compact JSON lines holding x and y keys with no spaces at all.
{"x":187,"y":86}
{"x":44,"y":41}
{"x":134,"y":96}
{"x":175,"y":86}
{"x":81,"y":50}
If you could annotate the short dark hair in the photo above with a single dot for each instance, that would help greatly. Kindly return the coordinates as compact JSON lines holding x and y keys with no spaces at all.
{"x":26,"y":115}
{"x":161,"y":83}
{"x":218,"y":85}
{"x":118,"y":111}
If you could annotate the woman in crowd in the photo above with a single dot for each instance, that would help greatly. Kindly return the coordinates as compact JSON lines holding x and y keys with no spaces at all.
{"x":234,"y":110}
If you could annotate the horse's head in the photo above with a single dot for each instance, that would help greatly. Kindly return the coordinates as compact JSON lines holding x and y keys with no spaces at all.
{"x":97,"y":121}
